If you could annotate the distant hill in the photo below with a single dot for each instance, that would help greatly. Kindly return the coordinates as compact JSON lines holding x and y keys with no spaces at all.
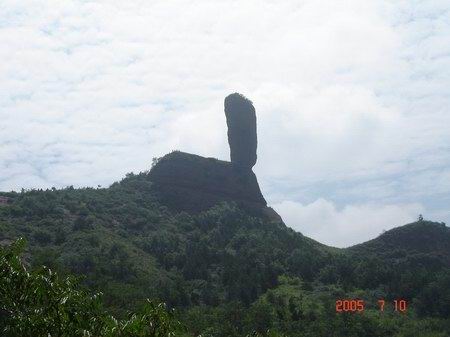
{"x":422,"y":238}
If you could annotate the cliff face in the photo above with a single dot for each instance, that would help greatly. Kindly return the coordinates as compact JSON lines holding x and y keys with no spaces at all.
{"x":187,"y":182}
{"x":192,"y":183}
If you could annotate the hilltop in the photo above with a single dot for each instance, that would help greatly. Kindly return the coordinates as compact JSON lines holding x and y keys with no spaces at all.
{"x":424,"y":238}
{"x":191,"y":183}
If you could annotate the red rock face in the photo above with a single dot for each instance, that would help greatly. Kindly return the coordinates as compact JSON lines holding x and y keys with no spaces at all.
{"x":241,"y":122}
{"x":191,"y":183}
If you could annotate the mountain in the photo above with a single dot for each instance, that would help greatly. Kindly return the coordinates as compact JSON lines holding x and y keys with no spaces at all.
{"x":218,"y":263}
{"x":422,"y":238}
{"x":183,"y":232}
{"x":197,"y":234}
{"x":123,"y":237}
{"x":191,"y":183}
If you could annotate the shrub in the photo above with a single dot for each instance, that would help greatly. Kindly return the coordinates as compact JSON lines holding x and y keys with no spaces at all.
{"x":40,"y":303}
{"x":42,"y":237}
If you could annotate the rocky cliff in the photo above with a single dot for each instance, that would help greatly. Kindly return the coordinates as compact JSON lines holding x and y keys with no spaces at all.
{"x":191,"y":183}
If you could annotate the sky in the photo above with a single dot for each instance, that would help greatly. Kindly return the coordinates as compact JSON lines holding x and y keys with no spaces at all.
{"x":352,"y":100}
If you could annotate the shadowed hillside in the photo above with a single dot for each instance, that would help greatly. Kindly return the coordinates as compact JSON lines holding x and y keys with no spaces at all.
{"x":422,"y":238}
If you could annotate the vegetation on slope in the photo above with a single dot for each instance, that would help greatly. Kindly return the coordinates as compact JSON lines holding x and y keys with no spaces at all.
{"x":40,"y":303}
{"x":230,"y":273}
{"x":129,"y":246}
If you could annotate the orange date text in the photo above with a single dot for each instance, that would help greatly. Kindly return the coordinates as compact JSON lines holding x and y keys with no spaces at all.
{"x":358,"y":305}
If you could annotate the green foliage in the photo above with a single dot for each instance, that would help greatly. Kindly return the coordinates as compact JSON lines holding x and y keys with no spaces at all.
{"x":40,"y":303}
{"x":229,"y":273}
{"x":42,"y":237}
{"x":434,"y":300}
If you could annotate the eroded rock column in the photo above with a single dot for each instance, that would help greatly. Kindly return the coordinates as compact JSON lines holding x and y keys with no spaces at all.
{"x":241,"y":122}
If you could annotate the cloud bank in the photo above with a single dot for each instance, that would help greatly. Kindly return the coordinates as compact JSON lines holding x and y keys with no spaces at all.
{"x":345,"y":227}
{"x":352,"y":98}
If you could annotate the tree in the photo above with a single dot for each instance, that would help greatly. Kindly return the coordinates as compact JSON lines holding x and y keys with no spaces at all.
{"x":40,"y":303}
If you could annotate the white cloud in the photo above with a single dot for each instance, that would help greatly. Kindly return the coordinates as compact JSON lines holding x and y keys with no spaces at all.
{"x":352,"y":98}
{"x":324,"y":222}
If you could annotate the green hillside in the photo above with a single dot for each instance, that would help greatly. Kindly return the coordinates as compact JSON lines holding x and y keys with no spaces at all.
{"x":131,"y":247}
{"x":422,"y":238}
{"x":226,"y":271}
